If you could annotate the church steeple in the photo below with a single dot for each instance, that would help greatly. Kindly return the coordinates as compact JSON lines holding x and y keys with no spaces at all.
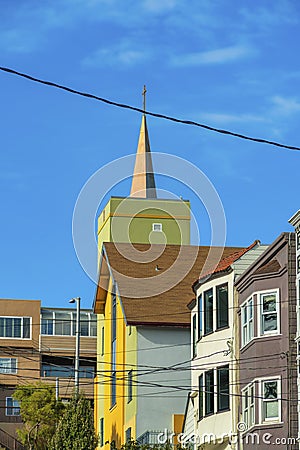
{"x":143,"y":182}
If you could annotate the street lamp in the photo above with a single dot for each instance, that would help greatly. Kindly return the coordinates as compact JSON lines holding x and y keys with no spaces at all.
{"x":77,"y":349}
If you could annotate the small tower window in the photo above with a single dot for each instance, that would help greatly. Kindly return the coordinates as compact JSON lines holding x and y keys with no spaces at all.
{"x":156,"y":227}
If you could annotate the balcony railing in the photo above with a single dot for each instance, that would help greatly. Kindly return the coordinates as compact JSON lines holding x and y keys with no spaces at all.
{"x":152,"y":437}
{"x":9,"y":442}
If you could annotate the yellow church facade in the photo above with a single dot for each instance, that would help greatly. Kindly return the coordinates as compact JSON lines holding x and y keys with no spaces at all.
{"x":132,"y":331}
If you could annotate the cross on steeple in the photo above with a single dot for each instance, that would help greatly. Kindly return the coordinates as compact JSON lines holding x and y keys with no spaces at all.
{"x":144,"y":98}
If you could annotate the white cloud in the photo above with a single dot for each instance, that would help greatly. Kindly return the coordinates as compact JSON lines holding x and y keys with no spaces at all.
{"x":125,"y":54}
{"x":222,"y":119}
{"x":218,"y":56}
{"x":284,"y":105}
{"x":266,"y":18}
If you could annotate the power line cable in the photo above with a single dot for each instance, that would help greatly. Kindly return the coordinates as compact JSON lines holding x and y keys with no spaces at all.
{"x":160,"y":116}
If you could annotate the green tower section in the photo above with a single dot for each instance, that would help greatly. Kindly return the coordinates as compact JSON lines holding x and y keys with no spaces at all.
{"x":144,"y":221}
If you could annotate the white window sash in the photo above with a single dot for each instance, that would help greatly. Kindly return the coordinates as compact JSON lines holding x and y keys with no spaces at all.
{"x":248,"y":412}
{"x":262,"y":401}
{"x":260,"y":296}
{"x":247,"y":321}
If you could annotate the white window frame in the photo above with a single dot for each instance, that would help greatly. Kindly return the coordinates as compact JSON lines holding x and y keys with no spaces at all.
{"x":9,"y":371}
{"x":157,"y":225}
{"x":53,"y":325}
{"x":251,"y":405}
{"x":22,"y":327}
{"x":249,"y":324}
{"x":262,"y":400}
{"x":260,"y":294}
{"x":72,"y":319}
{"x":13,"y":407}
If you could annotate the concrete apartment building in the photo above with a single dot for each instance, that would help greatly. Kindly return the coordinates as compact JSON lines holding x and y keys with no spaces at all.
{"x":38,"y":344}
{"x":267,"y":348}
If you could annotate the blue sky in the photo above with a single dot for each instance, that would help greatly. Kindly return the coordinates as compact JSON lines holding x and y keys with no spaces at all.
{"x":227,"y":64}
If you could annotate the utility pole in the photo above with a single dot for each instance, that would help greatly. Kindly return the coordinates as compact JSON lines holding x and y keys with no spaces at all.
{"x":77,"y":349}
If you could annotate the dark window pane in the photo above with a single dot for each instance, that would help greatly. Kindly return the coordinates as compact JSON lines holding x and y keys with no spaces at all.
{"x":47,"y":323}
{"x":201,"y":397}
{"x":269,"y":322}
{"x":102,"y":341}
{"x":200,"y":315}
{"x":269,"y":302}
{"x":129,"y":386}
{"x":16,"y":325}
{"x":8,"y":327}
{"x":194,"y":335}
{"x":222,"y":305}
{"x":101,"y":434}
{"x":26,"y":327}
{"x":270,"y":391}
{"x":208,"y":311}
{"x":209,"y":392}
{"x":93,"y":325}
{"x":223,"y":388}
{"x":114,"y":316}
{"x":62,"y":324}
{"x":128,"y":434}
{"x":84,"y":324}
{"x":2,"y":327}
{"x":113,"y":388}
{"x":113,"y":372}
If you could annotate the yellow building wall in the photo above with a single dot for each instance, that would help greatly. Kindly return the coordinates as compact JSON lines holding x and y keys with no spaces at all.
{"x":177,"y":423}
{"x":136,"y":217}
{"x":121,"y":415}
{"x":131,"y":364}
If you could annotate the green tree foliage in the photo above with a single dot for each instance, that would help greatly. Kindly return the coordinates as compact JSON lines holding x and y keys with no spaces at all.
{"x":40,"y":412}
{"x":75,"y":430}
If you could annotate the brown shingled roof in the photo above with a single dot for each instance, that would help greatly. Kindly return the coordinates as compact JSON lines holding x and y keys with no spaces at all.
{"x":157,"y":292}
{"x":272,"y":266}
